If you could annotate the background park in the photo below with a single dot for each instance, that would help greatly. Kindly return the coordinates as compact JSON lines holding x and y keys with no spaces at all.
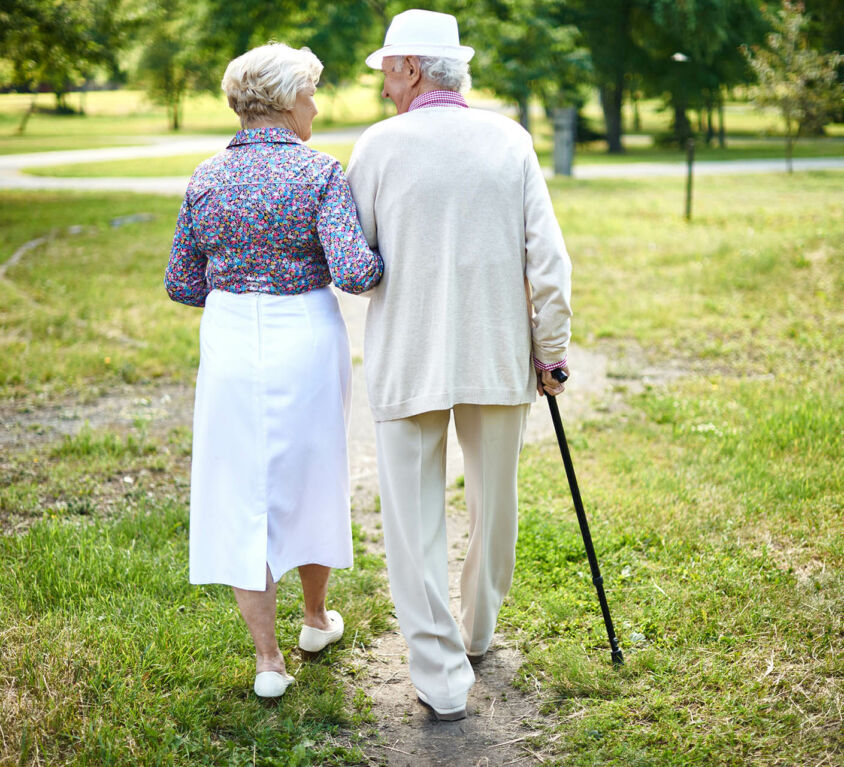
{"x":705,"y":412}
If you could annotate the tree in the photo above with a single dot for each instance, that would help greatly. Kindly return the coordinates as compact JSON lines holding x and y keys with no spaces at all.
{"x":692,"y":53}
{"x":173,"y":60}
{"x":606,"y":30}
{"x":56,"y":42}
{"x":340,"y":34}
{"x":521,"y":51}
{"x":232,"y":28}
{"x":796,"y":79}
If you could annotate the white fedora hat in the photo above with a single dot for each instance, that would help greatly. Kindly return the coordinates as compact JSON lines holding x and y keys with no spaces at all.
{"x":421,"y":33}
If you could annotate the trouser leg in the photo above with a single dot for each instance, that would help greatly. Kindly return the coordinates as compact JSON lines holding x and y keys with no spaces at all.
{"x":411,"y":473}
{"x":491,"y":439}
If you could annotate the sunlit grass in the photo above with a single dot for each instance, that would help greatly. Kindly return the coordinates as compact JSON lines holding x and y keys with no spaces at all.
{"x":89,"y":309}
{"x":177,"y":165}
{"x":715,"y":501}
{"x":110,"y":656}
{"x":127,"y":117}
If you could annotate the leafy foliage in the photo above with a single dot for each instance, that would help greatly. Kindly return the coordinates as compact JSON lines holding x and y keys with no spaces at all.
{"x":521,"y":51}
{"x":800,"y":82}
{"x":172,"y":62}
{"x":58,"y":43}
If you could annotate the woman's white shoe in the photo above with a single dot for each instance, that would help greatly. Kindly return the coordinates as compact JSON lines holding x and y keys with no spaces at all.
{"x":271,"y":684}
{"x":313,"y":640}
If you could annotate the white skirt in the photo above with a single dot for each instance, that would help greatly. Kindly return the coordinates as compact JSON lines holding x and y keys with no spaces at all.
{"x":270,"y":469}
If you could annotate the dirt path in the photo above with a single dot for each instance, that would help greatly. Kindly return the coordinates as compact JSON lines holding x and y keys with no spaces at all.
{"x":502,"y":719}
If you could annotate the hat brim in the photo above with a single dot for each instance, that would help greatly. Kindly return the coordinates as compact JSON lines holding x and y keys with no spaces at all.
{"x":459,"y":52}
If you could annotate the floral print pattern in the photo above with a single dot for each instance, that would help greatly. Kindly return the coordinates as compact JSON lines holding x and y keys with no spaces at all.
{"x":268,"y":215}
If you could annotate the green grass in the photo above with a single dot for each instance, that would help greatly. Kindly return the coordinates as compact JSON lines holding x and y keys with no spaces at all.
{"x":89,"y":310}
{"x":109,"y":656}
{"x":127,"y":117}
{"x":184,"y":165}
{"x":715,"y":501}
{"x":594,"y":153}
{"x":751,"y":286}
{"x":178,"y":165}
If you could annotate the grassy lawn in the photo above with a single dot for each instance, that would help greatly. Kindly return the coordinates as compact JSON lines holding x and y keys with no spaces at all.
{"x":740,"y":149}
{"x":89,"y":310}
{"x":110,"y":657}
{"x":127,"y":117}
{"x":715,"y":502}
{"x":737,"y":149}
{"x":178,"y":165}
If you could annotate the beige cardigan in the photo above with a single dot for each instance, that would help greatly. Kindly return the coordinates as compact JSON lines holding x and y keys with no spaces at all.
{"x":456,"y":203}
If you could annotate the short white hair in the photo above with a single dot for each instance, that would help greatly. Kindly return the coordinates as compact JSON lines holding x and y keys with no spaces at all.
{"x":449,"y":74}
{"x":268,"y":78}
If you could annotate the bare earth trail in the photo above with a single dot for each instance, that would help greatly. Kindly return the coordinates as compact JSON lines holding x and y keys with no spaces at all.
{"x":501,"y":718}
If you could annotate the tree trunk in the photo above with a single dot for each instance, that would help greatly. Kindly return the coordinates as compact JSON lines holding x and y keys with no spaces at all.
{"x":26,"y":115}
{"x":637,"y":120}
{"x":710,"y":123}
{"x":175,"y":117}
{"x":722,"y":131}
{"x":611,"y":100}
{"x":524,"y":113}
{"x":789,"y":147}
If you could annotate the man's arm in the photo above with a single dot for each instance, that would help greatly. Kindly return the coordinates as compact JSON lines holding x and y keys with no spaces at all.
{"x":362,"y":182}
{"x":548,"y":272}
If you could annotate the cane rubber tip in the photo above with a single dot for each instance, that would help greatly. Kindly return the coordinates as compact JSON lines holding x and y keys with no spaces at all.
{"x":617,"y":658}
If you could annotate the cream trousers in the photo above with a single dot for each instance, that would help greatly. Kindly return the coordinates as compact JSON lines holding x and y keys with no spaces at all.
{"x":411,"y":472}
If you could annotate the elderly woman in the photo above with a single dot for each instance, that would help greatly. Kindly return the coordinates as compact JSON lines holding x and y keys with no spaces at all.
{"x":265,"y":226}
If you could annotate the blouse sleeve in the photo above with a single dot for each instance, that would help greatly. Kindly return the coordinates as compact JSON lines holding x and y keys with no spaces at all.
{"x":185,"y":276}
{"x":353,"y":266}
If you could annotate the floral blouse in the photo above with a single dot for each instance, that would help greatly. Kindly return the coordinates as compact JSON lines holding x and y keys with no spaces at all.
{"x":268,"y":215}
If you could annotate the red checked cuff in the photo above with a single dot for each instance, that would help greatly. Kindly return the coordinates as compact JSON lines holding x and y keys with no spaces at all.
{"x":551,"y":366}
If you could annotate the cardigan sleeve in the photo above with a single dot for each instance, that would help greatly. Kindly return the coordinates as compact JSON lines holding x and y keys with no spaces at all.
{"x":363,"y":186}
{"x":185,"y":278}
{"x":354,"y":267}
{"x":548,"y":270}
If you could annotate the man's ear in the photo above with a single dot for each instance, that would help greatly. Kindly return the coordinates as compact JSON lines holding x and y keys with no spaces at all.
{"x":414,"y":70}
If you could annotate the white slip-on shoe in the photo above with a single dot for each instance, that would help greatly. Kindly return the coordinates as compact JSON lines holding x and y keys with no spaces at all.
{"x":314,"y":640}
{"x":454,"y":714}
{"x":271,"y":684}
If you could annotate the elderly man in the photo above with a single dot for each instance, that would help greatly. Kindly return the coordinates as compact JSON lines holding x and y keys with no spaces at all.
{"x":475,"y":296}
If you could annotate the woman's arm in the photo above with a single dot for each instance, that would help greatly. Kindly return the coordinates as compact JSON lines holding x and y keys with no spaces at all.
{"x":185,"y":276}
{"x":353,"y":266}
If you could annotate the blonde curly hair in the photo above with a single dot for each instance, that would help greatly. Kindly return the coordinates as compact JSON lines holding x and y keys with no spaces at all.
{"x":267,"y":79}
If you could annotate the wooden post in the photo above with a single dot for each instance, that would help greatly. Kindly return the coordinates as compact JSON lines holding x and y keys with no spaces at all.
{"x":690,"y":159}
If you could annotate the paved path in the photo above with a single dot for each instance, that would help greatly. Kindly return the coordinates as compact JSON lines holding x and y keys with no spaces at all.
{"x":706,"y":167}
{"x":12,"y":177}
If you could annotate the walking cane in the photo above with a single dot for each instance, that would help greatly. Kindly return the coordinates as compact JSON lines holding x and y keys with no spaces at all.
{"x":617,"y":656}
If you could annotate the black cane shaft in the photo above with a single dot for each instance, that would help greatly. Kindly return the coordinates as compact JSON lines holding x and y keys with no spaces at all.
{"x":597,"y":580}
